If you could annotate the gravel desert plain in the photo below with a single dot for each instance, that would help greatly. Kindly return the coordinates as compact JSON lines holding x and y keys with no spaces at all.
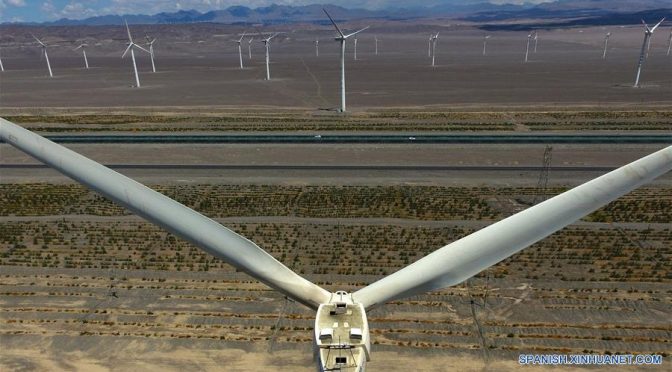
{"x":86,"y":285}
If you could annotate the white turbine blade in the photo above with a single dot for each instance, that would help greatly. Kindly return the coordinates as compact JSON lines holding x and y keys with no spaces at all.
{"x":38,"y":40}
{"x":646,"y":27}
{"x":334,"y":23}
{"x":241,"y":38}
{"x":468,"y":256}
{"x":79,"y":47}
{"x":128,"y":30}
{"x":167,"y":213}
{"x":356,"y":32}
{"x":141,"y":48}
{"x":127,"y":49}
{"x":272,"y":36}
{"x":657,"y":24}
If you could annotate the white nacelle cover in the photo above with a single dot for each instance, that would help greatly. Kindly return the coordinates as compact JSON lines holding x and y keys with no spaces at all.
{"x":326,"y":333}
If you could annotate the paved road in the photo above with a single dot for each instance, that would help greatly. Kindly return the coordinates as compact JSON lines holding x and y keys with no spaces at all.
{"x":333,"y":167}
{"x":365,"y":138}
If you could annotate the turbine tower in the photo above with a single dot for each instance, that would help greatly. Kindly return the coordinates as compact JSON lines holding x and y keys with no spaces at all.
{"x":151,"y":51}
{"x":342,"y":38}
{"x":131,"y":46}
{"x":648,"y":32}
{"x":342,"y":339}
{"x":376,"y":39}
{"x":434,"y":40}
{"x":606,"y":43}
{"x":240,"y":50}
{"x":669,"y":43}
{"x":266,"y":42}
{"x":317,"y":47}
{"x":527,"y":49}
{"x":249,"y":48}
{"x":355,"y":48}
{"x":83,"y":46}
{"x":2,"y":68}
{"x":485,"y":43}
{"x":45,"y":55}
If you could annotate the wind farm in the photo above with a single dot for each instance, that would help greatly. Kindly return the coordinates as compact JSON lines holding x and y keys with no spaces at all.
{"x":457,"y":215}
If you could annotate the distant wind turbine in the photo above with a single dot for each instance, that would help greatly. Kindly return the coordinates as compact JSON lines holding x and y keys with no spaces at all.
{"x":249,"y":48}
{"x":434,"y":39}
{"x":342,"y":38}
{"x":2,"y":68}
{"x":83,"y":46}
{"x":131,"y":46}
{"x":45,"y":55}
{"x":317,"y":48}
{"x":606,"y":43}
{"x":376,"y":39}
{"x":527,"y":49}
{"x":669,"y":43}
{"x":536,"y":40}
{"x":240,"y":49}
{"x":485,"y":43}
{"x":151,"y":51}
{"x":267,"y":42}
{"x":648,"y":32}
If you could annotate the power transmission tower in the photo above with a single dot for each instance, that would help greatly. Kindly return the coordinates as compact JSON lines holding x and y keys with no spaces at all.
{"x":542,"y":183}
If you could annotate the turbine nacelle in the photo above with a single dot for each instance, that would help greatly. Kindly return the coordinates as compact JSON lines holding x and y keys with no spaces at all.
{"x":341,"y":339}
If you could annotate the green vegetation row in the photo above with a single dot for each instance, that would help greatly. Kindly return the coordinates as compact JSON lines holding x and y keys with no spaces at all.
{"x":649,"y":205}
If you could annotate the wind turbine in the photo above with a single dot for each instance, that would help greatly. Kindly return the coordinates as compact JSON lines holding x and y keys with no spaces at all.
{"x":249,"y":48}
{"x":317,"y":47}
{"x":485,"y":43}
{"x":45,"y":55}
{"x":355,"y":48}
{"x":606,"y":43}
{"x":342,"y":38}
{"x":536,"y":40}
{"x":131,"y":46}
{"x":648,"y":32}
{"x":341,"y":331}
{"x":376,"y":39}
{"x":434,"y":39}
{"x":151,"y":51}
{"x":669,"y":43}
{"x":2,"y":67}
{"x":83,"y":46}
{"x":266,"y":42}
{"x":527,"y":49}
{"x":240,"y":50}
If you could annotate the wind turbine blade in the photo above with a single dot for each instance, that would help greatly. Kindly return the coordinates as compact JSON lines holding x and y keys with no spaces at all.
{"x":334,"y":23}
{"x":272,"y":36}
{"x":141,"y":48}
{"x":356,"y":32}
{"x":127,"y":49}
{"x":167,"y":213}
{"x":79,"y":47}
{"x":241,"y":38}
{"x":468,"y":256}
{"x":657,"y":24}
{"x":38,"y":40}
{"x":128,"y":30}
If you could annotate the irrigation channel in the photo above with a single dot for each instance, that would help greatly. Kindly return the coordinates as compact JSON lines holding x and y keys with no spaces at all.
{"x":368,"y":138}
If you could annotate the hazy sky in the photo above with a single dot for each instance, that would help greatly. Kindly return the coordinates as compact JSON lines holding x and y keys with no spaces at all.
{"x":45,"y":10}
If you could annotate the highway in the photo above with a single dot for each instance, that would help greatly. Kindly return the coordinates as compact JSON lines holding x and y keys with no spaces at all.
{"x":369,"y":138}
{"x":401,"y":168}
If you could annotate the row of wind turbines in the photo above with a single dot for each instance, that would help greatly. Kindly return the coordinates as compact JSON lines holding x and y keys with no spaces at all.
{"x":342,"y":38}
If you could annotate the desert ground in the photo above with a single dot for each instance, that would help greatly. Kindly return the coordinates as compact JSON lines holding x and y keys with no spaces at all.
{"x":88,"y":286}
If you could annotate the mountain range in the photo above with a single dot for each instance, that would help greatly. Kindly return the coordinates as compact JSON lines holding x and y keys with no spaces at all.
{"x":568,"y":10}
